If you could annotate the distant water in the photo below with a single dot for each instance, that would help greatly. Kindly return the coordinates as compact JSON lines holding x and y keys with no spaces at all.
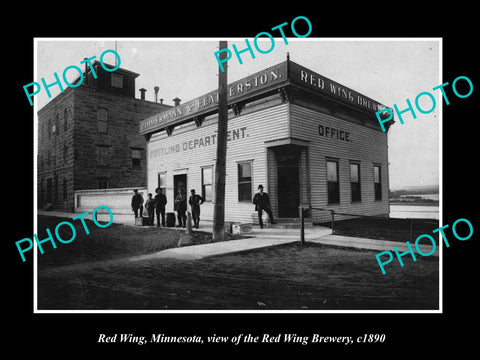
{"x":414,"y":211}
{"x":423,"y":196}
{"x":430,"y":196}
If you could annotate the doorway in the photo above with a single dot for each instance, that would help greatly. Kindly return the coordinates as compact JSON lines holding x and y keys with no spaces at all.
{"x":288,"y":183}
{"x":179,"y":182}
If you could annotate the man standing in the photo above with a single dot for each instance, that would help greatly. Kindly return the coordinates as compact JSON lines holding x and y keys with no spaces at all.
{"x":137,"y":203}
{"x":150,"y":206}
{"x":181,"y":205}
{"x":262,"y":202}
{"x":160,"y":202}
{"x":195,"y":201}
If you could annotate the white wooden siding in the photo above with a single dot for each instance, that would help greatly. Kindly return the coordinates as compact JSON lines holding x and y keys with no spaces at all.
{"x":266,"y":122}
{"x":272,"y":179}
{"x":368,"y":147}
{"x":263,"y":125}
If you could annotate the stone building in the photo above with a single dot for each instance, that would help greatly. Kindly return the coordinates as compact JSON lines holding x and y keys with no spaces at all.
{"x":88,"y":137}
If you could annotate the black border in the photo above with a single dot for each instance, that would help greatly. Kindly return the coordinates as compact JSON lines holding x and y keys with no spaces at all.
{"x":58,"y":335}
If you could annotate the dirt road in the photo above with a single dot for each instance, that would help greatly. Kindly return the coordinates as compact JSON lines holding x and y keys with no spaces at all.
{"x":279,"y":278}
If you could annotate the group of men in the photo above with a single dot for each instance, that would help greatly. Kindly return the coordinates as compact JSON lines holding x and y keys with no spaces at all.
{"x":260,"y":200}
{"x":157,"y":205}
{"x":194,"y":200}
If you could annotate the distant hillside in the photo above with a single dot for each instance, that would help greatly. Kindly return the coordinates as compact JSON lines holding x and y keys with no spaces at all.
{"x":417,"y":189}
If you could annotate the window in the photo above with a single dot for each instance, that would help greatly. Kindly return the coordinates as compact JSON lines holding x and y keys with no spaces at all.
{"x":355,"y":182}
{"x":103,"y":155}
{"x":333,"y":185}
{"x":65,"y":192}
{"x":55,"y":189}
{"x":49,"y":191}
{"x":136,"y":157}
{"x":54,"y":158}
{"x":65,"y":151}
{"x":65,"y":119}
{"x":55,"y":126}
{"x":102,"y":120}
{"x":207,"y":189}
{"x":162,"y":181}
{"x":377,"y":182}
{"x":102,"y":183}
{"x":117,"y":81}
{"x":245,"y":181}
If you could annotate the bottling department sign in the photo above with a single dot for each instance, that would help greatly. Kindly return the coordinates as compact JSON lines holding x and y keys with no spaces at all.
{"x":197,"y":143}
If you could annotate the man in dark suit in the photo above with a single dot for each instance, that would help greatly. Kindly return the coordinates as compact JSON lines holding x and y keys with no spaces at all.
{"x":195,"y":201}
{"x":181,"y":205}
{"x":262,"y":202}
{"x":137,"y":204}
{"x":160,"y":202}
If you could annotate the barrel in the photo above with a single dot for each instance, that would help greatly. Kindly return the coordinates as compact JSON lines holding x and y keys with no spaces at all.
{"x":170,"y":219}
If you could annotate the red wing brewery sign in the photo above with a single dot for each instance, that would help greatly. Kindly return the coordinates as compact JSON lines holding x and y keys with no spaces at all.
{"x":307,"y":78}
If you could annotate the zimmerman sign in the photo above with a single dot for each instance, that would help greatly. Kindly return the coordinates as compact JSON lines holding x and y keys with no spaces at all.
{"x":272,"y":78}
{"x":208,"y":103}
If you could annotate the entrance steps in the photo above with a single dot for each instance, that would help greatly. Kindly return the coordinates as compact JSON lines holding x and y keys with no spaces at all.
{"x":291,"y":223}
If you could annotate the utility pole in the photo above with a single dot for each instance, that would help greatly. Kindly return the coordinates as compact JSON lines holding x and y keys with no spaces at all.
{"x":220,"y":166}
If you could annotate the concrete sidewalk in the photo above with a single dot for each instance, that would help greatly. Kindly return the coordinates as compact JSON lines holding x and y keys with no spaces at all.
{"x":273,"y":238}
{"x":260,"y":238}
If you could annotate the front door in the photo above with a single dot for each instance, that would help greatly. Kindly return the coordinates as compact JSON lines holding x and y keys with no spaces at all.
{"x":288,"y":184}
{"x":179,"y":182}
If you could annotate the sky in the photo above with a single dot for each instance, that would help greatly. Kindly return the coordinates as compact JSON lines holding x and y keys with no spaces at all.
{"x":386,"y":70}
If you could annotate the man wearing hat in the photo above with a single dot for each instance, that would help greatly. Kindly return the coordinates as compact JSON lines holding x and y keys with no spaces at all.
{"x":181,"y":205}
{"x":137,"y":203}
{"x":262,"y":202}
{"x":195,"y":201}
{"x":160,"y":202}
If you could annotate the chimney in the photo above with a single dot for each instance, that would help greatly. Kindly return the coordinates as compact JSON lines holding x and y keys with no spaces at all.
{"x":161,"y":101}
{"x":156,"y":88}
{"x":142,"y":93}
{"x":177,"y":101}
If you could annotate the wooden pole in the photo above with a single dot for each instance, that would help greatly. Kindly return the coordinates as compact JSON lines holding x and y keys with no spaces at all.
{"x":302,"y":231}
{"x":220,"y":166}
{"x":188,"y":228}
{"x":333,"y":220}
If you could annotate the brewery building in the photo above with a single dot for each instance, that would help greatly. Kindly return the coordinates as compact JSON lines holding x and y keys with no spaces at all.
{"x":308,"y":140}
